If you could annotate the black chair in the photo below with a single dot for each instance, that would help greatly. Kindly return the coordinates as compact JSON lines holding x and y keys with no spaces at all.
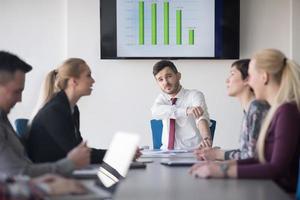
{"x":157,"y":126}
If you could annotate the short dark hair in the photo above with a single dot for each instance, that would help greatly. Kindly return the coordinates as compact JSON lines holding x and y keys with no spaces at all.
{"x":242,"y":65}
{"x":11,"y":63}
{"x":162,"y":64}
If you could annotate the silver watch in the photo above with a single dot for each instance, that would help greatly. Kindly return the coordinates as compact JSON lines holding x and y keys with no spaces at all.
{"x":224,"y":169}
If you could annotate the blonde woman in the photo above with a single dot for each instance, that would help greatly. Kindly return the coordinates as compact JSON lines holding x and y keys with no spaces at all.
{"x":55,"y":128}
{"x":276,"y":79}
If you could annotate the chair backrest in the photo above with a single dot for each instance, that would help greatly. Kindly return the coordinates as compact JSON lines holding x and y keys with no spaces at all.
{"x":298,"y":186}
{"x":212,"y":128}
{"x":21,"y":125}
{"x":157,"y":126}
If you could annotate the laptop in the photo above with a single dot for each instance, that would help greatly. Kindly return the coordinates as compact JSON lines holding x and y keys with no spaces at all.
{"x":111,"y":171}
{"x":117,"y":159}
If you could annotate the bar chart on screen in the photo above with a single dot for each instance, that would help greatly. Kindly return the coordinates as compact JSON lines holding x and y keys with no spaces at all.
{"x":165,"y":27}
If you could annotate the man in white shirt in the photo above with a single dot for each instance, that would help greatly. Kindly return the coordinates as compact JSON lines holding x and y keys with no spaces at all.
{"x":180,"y":109}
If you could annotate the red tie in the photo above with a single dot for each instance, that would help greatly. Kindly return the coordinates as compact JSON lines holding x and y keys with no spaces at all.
{"x":172,"y":129}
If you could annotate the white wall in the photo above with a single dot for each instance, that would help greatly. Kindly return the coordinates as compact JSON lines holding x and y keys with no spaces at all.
{"x":46,"y":32}
{"x":265,"y":24}
{"x":36,"y":31}
{"x":295,"y":41}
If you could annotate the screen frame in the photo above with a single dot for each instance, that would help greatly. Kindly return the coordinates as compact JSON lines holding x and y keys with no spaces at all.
{"x":227,"y":31}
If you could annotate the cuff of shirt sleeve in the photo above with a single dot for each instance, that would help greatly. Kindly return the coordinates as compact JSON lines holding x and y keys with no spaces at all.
{"x":66,"y":166}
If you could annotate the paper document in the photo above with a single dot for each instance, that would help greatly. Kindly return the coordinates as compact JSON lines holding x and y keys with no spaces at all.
{"x":180,"y":162}
{"x":166,"y":153}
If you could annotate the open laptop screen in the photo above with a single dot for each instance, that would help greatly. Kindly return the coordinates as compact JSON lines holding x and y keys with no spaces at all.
{"x":118,"y":157}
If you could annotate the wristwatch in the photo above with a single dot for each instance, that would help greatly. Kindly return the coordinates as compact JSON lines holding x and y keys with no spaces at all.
{"x":224,"y":169}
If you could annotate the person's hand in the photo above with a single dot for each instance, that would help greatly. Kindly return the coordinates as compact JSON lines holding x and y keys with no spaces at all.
{"x":59,"y":185}
{"x":205,"y":142}
{"x":196,"y":112}
{"x":207,"y":153}
{"x":80,"y":155}
{"x":206,"y":169}
{"x":138,"y":153}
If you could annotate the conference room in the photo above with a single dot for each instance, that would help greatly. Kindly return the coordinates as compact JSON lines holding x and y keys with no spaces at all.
{"x":121,"y":41}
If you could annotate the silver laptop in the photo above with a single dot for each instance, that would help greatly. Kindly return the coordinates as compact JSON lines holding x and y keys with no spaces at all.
{"x":112,"y":170}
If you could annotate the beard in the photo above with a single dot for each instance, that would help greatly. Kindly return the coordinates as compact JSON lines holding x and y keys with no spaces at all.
{"x":174,"y":89}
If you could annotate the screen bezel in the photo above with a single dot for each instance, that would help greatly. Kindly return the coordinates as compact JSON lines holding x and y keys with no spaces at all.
{"x":227,"y":31}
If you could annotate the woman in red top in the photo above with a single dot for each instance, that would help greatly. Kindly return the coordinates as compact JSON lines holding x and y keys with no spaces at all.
{"x":276,"y":79}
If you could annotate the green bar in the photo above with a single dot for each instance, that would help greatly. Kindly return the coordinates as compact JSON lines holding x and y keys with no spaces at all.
{"x":178,"y":27}
{"x":154,"y":23}
{"x":191,"y":37}
{"x":166,"y":23}
{"x":141,"y":23}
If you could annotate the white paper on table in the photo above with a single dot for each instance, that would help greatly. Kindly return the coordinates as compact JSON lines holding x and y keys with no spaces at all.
{"x":162,"y":151}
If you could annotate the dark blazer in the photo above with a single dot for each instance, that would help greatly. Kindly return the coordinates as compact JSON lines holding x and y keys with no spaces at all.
{"x":55,"y":131}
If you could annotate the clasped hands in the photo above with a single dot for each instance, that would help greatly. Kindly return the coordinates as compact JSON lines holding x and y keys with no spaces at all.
{"x":209,"y":167}
{"x":206,"y":169}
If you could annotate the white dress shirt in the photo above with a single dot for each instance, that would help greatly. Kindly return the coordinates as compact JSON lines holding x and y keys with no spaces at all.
{"x":187,"y":135}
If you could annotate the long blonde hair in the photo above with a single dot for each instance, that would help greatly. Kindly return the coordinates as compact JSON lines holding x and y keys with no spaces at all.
{"x":57,"y":80}
{"x":286,"y":74}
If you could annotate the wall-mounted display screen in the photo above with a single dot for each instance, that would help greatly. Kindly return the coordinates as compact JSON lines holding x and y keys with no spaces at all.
{"x":191,"y":29}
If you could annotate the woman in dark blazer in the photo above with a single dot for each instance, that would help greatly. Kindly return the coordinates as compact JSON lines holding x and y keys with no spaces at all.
{"x":55,"y":128}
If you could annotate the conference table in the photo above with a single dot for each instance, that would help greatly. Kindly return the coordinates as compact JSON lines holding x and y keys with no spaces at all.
{"x":158,"y":181}
{"x":161,"y":182}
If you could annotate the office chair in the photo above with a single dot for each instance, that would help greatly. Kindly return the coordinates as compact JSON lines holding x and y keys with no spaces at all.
{"x":21,"y":125}
{"x":298,"y":185}
{"x":212,"y":128}
{"x":157,"y":126}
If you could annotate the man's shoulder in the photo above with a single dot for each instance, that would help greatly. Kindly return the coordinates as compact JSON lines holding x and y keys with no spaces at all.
{"x":196,"y":91}
{"x":3,"y":130}
{"x":193,"y":92}
{"x":1,"y":121}
{"x":162,"y":96}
